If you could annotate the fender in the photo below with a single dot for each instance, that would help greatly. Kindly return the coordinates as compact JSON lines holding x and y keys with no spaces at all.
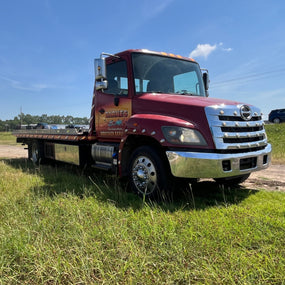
{"x":149,"y":125}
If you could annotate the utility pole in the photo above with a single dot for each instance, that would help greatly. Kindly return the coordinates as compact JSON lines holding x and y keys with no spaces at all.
{"x":21,"y":118}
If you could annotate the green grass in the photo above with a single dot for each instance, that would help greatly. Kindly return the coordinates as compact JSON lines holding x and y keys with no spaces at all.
{"x":61,"y":227}
{"x":276,"y":136}
{"x":7,"y":138}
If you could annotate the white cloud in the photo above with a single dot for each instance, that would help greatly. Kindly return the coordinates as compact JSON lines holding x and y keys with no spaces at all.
{"x":204,"y":50}
{"x":224,"y":49}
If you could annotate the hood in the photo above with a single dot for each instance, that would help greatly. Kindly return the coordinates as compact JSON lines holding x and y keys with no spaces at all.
{"x":188,"y":108}
{"x":185,"y":99}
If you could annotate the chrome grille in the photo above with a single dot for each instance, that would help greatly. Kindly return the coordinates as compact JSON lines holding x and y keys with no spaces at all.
{"x":231,"y":131}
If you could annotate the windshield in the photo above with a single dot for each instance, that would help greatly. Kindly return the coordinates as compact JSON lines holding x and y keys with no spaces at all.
{"x":159,"y":74}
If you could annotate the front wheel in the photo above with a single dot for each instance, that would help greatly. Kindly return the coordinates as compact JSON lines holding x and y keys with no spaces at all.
{"x":148,"y":173}
{"x":276,"y":121}
{"x":232,"y":181}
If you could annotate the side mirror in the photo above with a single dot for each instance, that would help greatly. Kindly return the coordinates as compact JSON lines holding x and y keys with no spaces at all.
{"x":100,"y":74}
{"x":206,"y":80}
{"x":100,"y":69}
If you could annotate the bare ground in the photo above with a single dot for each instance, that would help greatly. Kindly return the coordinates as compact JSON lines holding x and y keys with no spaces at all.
{"x":9,"y":151}
{"x":272,"y":178}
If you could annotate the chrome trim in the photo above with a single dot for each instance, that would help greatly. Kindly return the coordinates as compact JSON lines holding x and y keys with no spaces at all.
{"x":209,"y":165}
{"x":227,"y":124}
{"x":102,"y":153}
{"x":245,"y":112}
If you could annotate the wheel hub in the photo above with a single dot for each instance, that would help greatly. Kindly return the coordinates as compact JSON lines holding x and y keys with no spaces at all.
{"x":144,"y":175}
{"x":141,"y":173}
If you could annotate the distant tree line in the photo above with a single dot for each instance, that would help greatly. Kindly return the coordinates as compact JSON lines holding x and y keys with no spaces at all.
{"x":27,"y":119}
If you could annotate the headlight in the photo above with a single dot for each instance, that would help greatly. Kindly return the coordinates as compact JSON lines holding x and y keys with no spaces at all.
{"x":178,"y":135}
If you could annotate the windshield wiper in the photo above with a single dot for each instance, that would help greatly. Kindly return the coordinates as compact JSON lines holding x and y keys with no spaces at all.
{"x":184,"y":92}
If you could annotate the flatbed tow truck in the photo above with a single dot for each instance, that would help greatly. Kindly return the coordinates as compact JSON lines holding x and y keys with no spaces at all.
{"x":152,"y":121}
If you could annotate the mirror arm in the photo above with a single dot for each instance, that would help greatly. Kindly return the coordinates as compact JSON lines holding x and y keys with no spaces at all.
{"x":108,"y":54}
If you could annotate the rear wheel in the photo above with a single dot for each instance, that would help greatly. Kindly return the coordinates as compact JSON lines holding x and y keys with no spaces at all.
{"x":232,"y":181}
{"x":36,"y":153}
{"x":148,"y":173}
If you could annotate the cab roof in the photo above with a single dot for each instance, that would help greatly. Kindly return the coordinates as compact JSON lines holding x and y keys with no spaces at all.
{"x":146,"y":51}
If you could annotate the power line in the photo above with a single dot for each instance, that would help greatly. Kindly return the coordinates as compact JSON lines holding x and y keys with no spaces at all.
{"x":248,"y":77}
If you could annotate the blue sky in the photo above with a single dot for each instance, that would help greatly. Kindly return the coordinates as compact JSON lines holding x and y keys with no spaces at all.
{"x":47,"y":48}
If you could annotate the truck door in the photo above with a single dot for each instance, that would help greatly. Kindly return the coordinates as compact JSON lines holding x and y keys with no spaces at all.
{"x":113,"y":106}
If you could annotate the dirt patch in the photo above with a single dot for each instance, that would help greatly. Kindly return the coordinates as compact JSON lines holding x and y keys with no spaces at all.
{"x":9,"y":151}
{"x":272,"y":178}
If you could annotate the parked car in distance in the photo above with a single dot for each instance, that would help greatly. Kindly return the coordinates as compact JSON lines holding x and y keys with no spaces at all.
{"x":42,"y":126}
{"x":77,"y":127}
{"x":277,"y":116}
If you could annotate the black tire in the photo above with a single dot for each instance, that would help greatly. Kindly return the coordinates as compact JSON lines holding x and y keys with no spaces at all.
{"x":36,"y":153}
{"x":232,"y":181}
{"x":276,"y":121}
{"x":148,"y":174}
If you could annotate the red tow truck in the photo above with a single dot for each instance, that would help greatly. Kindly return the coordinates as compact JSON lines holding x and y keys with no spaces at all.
{"x":152,"y":121}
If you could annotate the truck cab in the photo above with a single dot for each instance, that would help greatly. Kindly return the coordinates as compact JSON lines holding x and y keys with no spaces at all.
{"x":155,"y":106}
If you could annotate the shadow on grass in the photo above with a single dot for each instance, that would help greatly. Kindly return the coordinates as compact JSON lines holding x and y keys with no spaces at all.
{"x":62,"y":179}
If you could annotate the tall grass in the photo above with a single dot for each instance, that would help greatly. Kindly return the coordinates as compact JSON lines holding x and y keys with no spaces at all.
{"x":61,"y":227}
{"x":7,"y":138}
{"x":276,"y":136}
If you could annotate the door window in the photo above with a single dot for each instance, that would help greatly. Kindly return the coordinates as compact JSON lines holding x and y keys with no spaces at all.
{"x":117,"y":77}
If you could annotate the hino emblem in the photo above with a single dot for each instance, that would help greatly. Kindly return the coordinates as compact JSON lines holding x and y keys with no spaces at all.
{"x":245,"y":112}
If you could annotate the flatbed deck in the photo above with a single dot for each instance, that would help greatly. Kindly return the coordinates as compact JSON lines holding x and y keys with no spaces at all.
{"x":54,"y":134}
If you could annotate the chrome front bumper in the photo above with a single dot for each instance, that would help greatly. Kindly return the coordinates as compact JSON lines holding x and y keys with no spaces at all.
{"x":215,"y":165}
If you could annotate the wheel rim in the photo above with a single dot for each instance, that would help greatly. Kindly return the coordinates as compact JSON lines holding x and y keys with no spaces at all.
{"x":35,"y":153}
{"x":276,"y":120}
{"x":144,"y":175}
